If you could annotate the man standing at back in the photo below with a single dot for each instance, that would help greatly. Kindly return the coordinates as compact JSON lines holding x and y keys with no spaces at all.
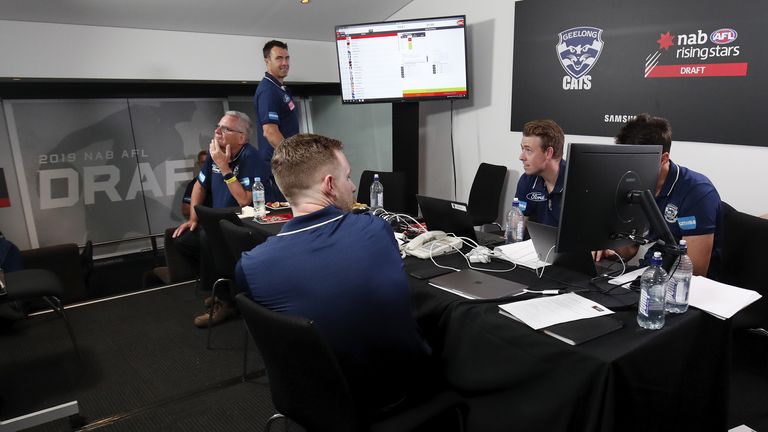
{"x":341,"y":270}
{"x":275,"y":110}
{"x":540,"y":189}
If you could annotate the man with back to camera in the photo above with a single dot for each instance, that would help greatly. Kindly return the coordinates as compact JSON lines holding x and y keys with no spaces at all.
{"x":275,"y":110}
{"x":540,"y":189}
{"x":688,"y":200}
{"x":341,"y":270}
{"x":226,"y":177}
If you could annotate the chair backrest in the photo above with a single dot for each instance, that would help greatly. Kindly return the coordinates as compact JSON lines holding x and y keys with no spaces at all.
{"x":485,"y":194}
{"x":223,"y":261}
{"x":742,"y":258}
{"x":395,"y":195}
{"x":65,"y":262}
{"x":305,"y":378}
{"x":240,"y":238}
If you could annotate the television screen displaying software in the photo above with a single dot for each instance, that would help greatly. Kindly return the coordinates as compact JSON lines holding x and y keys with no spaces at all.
{"x":397,"y":61}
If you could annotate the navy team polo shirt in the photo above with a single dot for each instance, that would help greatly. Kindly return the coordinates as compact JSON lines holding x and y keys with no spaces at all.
{"x":245,"y":165}
{"x":535,"y":202}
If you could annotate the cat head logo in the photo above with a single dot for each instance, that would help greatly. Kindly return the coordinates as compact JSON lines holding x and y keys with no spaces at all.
{"x":578,"y":49}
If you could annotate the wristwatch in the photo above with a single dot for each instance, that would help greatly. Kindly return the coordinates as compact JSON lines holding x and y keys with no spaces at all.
{"x":229,"y":178}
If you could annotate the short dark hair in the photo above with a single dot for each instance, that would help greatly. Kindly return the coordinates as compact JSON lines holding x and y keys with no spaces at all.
{"x":271,"y":44}
{"x":646,"y":129}
{"x":551,"y":135}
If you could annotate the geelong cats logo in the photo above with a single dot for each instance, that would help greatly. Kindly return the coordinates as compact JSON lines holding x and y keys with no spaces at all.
{"x":578,"y":50}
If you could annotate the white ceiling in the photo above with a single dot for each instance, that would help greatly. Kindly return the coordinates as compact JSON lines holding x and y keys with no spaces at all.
{"x":266,"y":18}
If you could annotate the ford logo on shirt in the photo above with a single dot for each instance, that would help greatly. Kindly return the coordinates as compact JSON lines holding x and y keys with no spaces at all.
{"x":536,"y":196}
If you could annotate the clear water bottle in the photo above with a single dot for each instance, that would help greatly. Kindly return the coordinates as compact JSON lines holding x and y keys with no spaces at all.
{"x":515,"y":231}
{"x":259,"y":205}
{"x":653,"y":289}
{"x":377,"y":193}
{"x":680,"y":281}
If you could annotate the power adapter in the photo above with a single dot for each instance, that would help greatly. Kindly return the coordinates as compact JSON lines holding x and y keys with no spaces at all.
{"x":480,"y":254}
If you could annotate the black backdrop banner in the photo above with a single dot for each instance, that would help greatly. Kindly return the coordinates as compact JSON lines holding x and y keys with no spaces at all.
{"x":591,"y":65}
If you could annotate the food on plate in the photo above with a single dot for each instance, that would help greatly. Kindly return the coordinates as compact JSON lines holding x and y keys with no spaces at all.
{"x":278,"y":204}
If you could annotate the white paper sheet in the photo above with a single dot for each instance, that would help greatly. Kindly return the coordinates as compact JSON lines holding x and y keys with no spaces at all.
{"x":546,"y":311}
{"x":521,"y":253}
{"x":719,"y":299}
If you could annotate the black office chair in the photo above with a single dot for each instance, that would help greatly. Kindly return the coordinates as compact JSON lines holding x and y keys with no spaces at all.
{"x":308,"y":385}
{"x":31,"y":284}
{"x":176,"y":268}
{"x":240,"y":239}
{"x":485,"y":194}
{"x":214,"y":248}
{"x":743,"y":258}
{"x":395,"y":196}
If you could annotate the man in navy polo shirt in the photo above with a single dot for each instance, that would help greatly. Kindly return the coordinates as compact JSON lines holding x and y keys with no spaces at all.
{"x":226,"y":177}
{"x":276,"y":111}
{"x":540,"y":189}
{"x":341,"y":270}
{"x":688,"y":201}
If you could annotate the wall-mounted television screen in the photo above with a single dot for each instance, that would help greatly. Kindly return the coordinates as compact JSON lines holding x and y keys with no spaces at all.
{"x":397,"y":61}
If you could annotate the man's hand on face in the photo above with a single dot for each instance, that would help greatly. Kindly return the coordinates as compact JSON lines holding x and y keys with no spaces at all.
{"x":221,"y":158}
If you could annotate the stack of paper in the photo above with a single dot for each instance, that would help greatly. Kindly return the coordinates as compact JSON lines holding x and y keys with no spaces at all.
{"x":546,"y":311}
{"x":719,"y":299}
{"x":569,"y":317}
{"x":521,"y":253}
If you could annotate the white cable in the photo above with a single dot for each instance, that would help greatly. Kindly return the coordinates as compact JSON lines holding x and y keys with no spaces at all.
{"x":546,"y":260}
{"x":473,"y":244}
{"x":623,"y":265}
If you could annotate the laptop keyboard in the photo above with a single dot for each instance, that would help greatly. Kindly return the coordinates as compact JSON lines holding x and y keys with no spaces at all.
{"x":488,"y":239}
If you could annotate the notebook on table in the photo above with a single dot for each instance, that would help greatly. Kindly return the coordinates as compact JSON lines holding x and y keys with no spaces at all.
{"x":477,"y":285}
{"x":453,"y":217}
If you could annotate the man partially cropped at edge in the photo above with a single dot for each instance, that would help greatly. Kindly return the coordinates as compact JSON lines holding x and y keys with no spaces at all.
{"x":540,"y":189}
{"x":275,"y":110}
{"x":341,"y":270}
{"x":688,"y":201}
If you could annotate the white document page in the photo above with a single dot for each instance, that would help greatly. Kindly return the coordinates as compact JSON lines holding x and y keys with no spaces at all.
{"x":546,"y":311}
{"x":521,"y":253}
{"x":719,"y":299}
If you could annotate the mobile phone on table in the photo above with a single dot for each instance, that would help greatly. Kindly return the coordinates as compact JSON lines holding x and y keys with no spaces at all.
{"x":429,"y":272}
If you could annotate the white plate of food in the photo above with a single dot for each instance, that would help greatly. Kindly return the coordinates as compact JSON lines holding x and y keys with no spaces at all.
{"x":278,"y":205}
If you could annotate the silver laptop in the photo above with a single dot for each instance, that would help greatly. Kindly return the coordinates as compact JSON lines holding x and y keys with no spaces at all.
{"x":476,"y":285}
{"x":544,"y":238}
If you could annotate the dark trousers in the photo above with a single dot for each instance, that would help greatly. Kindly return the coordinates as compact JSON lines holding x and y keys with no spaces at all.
{"x":193,"y":246}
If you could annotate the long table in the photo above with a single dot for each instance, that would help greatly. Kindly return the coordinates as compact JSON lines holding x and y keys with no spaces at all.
{"x":516,"y":378}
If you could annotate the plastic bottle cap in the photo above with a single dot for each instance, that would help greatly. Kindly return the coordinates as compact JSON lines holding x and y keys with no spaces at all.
{"x":258,"y":179}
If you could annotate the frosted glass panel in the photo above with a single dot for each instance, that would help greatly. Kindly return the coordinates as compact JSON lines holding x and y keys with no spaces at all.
{"x":365,"y":130}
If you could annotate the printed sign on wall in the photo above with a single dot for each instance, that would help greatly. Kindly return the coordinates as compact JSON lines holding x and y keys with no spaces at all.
{"x":592,"y":65}
{"x":106,"y":169}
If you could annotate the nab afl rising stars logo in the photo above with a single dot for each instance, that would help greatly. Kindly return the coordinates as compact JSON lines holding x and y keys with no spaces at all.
{"x":578,"y":50}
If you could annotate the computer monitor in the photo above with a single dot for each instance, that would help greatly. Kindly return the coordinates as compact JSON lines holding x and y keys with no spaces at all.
{"x":608,"y":199}
{"x":403,"y":60}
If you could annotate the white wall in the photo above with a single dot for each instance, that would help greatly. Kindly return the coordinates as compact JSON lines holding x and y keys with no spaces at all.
{"x":44,"y":50}
{"x":481,"y":125}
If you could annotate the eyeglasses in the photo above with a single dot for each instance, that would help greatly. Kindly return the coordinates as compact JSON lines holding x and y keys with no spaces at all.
{"x":225,"y":129}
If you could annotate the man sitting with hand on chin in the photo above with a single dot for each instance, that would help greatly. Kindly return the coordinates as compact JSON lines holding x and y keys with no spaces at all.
{"x":341,"y":270}
{"x":227,"y":177}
